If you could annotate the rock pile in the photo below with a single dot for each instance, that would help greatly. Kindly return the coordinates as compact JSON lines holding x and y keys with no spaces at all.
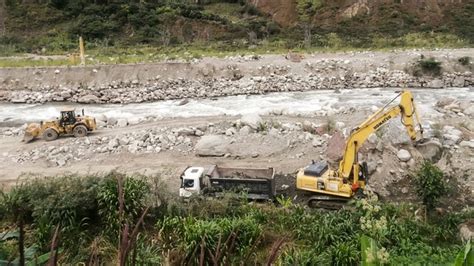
{"x":389,"y":158}
{"x":453,"y":107}
{"x":144,"y":141}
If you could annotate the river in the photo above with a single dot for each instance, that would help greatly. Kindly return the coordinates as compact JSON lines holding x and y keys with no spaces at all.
{"x":290,"y":103}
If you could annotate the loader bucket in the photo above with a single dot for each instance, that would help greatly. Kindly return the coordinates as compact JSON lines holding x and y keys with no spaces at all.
{"x":28,"y":137}
{"x":31,"y":132}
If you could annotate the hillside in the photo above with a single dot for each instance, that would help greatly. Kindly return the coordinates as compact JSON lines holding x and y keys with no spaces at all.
{"x":51,"y":27}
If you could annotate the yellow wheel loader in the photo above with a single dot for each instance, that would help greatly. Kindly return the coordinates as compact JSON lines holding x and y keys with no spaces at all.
{"x":67,"y":124}
{"x":332,"y":188}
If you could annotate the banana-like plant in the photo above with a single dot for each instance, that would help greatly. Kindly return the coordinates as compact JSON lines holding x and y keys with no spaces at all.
{"x":466,"y":256}
{"x":30,"y":252}
{"x":371,"y":254}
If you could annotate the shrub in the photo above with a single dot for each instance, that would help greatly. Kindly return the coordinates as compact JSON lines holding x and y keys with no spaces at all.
{"x":135,"y":196}
{"x":427,"y":67}
{"x":430,"y":184}
{"x":232,"y":237}
{"x":465,"y":60}
{"x":224,"y":231}
{"x":430,"y":66}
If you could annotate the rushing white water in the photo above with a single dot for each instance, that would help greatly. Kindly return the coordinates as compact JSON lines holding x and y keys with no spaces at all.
{"x":291,"y":103}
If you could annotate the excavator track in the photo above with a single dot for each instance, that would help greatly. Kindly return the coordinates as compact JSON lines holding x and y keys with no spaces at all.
{"x":326,"y":202}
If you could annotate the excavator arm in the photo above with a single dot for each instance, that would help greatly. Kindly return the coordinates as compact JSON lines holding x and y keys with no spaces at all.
{"x":409,"y":118}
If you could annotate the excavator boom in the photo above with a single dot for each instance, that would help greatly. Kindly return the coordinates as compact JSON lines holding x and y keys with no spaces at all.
{"x":409,"y":118}
{"x":343,"y":183}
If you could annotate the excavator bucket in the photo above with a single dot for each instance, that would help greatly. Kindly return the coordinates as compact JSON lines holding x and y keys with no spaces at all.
{"x":31,"y":132}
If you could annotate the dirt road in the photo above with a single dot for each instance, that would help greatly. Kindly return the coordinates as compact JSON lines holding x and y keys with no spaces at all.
{"x":168,"y":163}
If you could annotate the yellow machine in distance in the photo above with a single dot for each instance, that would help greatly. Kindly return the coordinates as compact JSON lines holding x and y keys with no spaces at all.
{"x":68,"y":123}
{"x":351,"y":177}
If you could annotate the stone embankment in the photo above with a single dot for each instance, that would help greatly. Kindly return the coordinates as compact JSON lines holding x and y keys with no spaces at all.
{"x":212,"y":77}
{"x":155,"y":90}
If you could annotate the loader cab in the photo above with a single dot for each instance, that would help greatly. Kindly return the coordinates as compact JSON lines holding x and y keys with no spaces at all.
{"x":68,"y":117}
{"x":191,"y":181}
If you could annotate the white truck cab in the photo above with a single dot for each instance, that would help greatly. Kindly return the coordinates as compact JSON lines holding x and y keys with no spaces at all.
{"x":191,"y":182}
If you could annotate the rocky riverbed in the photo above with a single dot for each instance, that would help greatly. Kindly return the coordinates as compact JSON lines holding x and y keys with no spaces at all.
{"x":193,"y":114}
{"x":282,"y":141}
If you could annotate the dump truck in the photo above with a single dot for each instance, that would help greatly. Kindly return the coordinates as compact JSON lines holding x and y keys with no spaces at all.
{"x":254,"y":183}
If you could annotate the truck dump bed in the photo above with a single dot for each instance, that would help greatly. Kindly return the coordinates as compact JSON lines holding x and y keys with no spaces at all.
{"x":257,"y":183}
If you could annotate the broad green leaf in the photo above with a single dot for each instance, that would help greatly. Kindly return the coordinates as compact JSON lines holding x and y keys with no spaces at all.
{"x":369,"y":251}
{"x":41,"y":260}
{"x":465,"y":256}
{"x":9,"y":235}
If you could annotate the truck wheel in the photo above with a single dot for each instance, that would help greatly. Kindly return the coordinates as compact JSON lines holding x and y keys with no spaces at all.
{"x":50,"y":134}
{"x":80,"y":131}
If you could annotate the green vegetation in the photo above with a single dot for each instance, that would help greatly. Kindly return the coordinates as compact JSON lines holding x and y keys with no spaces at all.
{"x":124,"y":219}
{"x":126,"y":31}
{"x":430,"y":184}
{"x":427,"y":66}
{"x":306,"y":11}
{"x":465,"y":60}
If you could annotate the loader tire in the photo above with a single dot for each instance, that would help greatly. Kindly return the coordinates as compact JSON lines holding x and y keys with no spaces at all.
{"x":80,"y":131}
{"x":50,"y":134}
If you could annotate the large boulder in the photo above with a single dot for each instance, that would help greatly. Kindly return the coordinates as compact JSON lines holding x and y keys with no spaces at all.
{"x":251,"y":120}
{"x":111,"y":121}
{"x":444,"y":101}
{"x":101,"y":117}
{"x":336,"y":146}
{"x":18,"y":98}
{"x":435,"y":83}
{"x":212,"y":145}
{"x":451,"y":135}
{"x":245,"y":130}
{"x":4,"y":95}
{"x":90,"y":98}
{"x":469,"y":111}
{"x":403,"y":155}
{"x":431,"y":150}
{"x":469,"y":125}
{"x":395,"y":133}
{"x":122,"y":122}
{"x":459,"y":81}
{"x":467,"y":144}
{"x":185,"y":131}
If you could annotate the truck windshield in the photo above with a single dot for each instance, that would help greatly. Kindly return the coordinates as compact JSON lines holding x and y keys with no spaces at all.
{"x":188,"y":183}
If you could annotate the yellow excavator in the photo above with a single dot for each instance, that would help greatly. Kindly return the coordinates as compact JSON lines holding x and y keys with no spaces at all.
{"x":68,"y":124}
{"x":332,"y":188}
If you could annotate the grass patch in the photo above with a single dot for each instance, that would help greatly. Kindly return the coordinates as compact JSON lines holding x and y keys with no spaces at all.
{"x":25,"y":62}
{"x":102,"y":53}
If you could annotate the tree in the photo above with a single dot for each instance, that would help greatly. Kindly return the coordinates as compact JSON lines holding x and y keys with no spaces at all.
{"x":306,"y":10}
{"x":15,"y":206}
